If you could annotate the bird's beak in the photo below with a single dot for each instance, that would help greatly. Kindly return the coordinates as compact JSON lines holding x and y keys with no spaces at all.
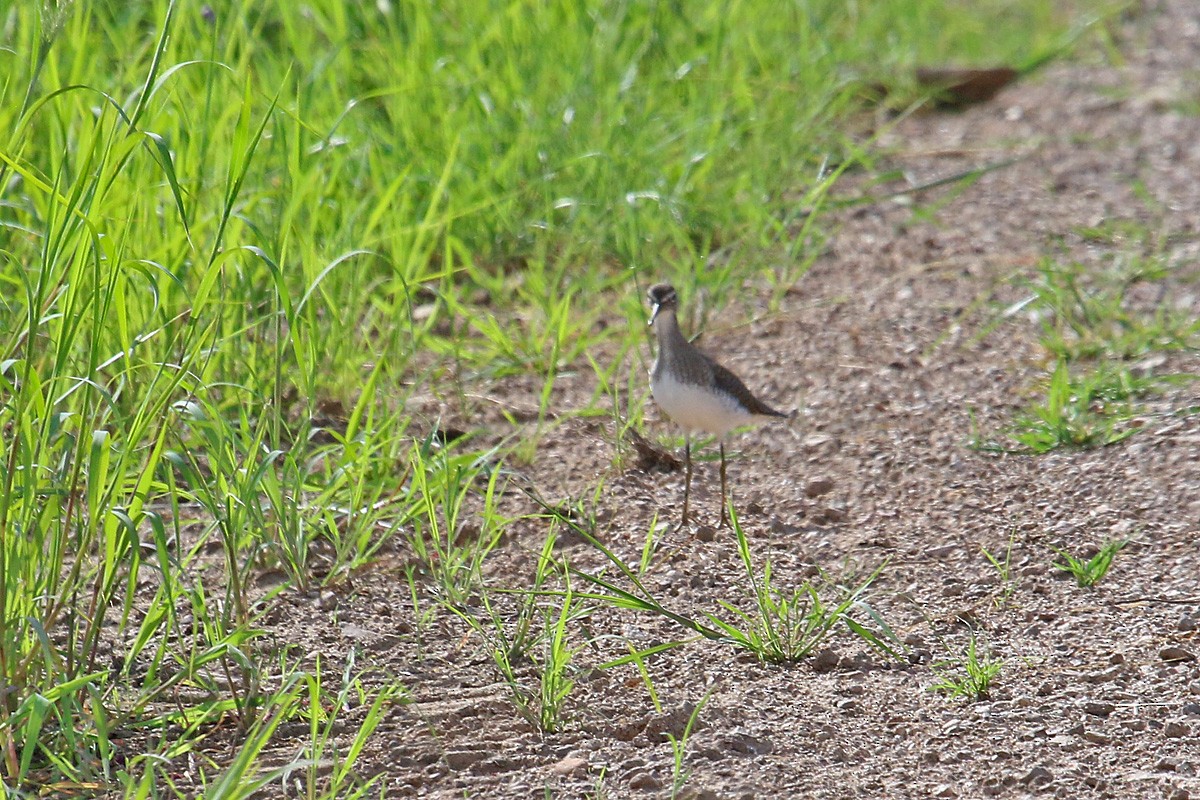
{"x":654,"y":313}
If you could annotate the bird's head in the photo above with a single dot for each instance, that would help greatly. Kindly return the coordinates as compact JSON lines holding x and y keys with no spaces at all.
{"x":662,"y":298}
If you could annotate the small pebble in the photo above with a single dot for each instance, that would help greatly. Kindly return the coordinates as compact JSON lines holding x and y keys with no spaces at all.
{"x":570,"y":766}
{"x":748,"y":745}
{"x":1176,"y":729}
{"x":941,"y":551}
{"x":644,"y":781}
{"x":826,"y":660}
{"x":819,"y":442}
{"x":835,"y":512}
{"x":1038,"y":776}
{"x":461,"y":759}
{"x":818,"y":486}
{"x":1175,"y":654}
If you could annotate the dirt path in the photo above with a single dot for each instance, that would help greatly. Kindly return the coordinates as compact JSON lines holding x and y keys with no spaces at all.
{"x":885,"y":347}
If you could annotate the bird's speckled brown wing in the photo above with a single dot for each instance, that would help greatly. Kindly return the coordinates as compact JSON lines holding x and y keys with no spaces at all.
{"x":728,"y":382}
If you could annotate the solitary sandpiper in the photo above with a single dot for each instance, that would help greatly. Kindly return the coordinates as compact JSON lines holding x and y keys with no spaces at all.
{"x":696,"y":392}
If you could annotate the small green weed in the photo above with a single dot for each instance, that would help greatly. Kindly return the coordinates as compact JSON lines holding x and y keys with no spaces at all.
{"x":1073,"y":415}
{"x":1090,"y":571}
{"x":329,"y":771}
{"x":539,"y":638}
{"x":450,"y":537}
{"x":1094,"y":323}
{"x":554,"y":666}
{"x":969,"y":675}
{"x":783,"y":626}
{"x":786,"y":625}
{"x":1094,"y":408}
{"x":1003,"y":569}
{"x":1089,"y":314}
{"x":680,"y":774}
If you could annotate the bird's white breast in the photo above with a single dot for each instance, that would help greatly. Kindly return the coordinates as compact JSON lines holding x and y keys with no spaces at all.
{"x":698,"y":408}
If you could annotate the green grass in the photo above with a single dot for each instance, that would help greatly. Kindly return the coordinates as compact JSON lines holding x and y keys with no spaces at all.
{"x":1074,"y":414}
{"x":1004,"y":571}
{"x":786,"y":624}
{"x":781,"y":624}
{"x":1089,"y":571}
{"x":1088,"y":313}
{"x":680,"y":774}
{"x":532,"y":647}
{"x":236,"y":243}
{"x":969,"y":675}
{"x":1104,"y":342}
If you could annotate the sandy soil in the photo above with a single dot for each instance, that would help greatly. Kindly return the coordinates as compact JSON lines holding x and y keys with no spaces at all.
{"x":885,"y":347}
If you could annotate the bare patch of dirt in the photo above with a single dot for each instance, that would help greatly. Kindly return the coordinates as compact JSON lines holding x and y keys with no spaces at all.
{"x":883,"y":347}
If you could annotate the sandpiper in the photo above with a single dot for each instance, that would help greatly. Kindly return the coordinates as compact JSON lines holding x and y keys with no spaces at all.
{"x":696,"y":392}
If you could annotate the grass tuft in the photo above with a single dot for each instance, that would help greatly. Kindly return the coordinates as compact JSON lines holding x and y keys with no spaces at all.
{"x":1089,"y":572}
{"x":1105,"y":341}
{"x":970,"y":675}
{"x":787,"y":625}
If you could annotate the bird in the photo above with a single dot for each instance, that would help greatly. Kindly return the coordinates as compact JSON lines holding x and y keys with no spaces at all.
{"x":696,"y":392}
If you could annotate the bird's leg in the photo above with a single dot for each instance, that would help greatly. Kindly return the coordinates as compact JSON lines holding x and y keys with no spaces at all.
{"x":724,"y":519}
{"x":687,"y":480}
